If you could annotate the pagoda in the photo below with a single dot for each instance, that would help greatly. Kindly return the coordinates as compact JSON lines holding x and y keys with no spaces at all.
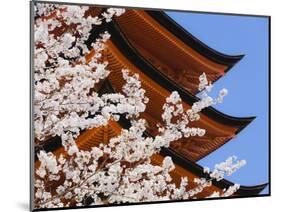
{"x":167,"y":58}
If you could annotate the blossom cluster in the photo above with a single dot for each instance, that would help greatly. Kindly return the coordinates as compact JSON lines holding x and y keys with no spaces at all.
{"x":228,"y":167}
{"x":121,"y":171}
{"x":63,"y":78}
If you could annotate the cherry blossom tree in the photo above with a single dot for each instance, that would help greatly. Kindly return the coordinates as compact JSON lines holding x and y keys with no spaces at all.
{"x":66,"y":102}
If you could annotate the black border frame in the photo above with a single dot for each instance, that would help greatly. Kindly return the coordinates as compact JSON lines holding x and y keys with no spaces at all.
{"x":31,"y":135}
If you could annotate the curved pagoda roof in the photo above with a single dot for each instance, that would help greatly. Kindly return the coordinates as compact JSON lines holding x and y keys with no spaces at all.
{"x":172,"y":49}
{"x":122,"y":54}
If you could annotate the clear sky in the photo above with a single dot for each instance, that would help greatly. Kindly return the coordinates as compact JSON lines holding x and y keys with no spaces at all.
{"x":247,"y":85}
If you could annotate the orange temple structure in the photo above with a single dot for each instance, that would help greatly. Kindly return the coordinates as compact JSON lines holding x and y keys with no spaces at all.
{"x":167,"y":58}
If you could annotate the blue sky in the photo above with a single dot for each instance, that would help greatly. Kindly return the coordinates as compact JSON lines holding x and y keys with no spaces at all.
{"x":247,"y":85}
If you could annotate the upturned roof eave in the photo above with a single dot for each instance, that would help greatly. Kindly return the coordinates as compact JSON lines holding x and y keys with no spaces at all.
{"x":172,"y":26}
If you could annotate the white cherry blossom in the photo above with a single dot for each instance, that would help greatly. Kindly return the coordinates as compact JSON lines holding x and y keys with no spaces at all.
{"x":66,"y":102}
